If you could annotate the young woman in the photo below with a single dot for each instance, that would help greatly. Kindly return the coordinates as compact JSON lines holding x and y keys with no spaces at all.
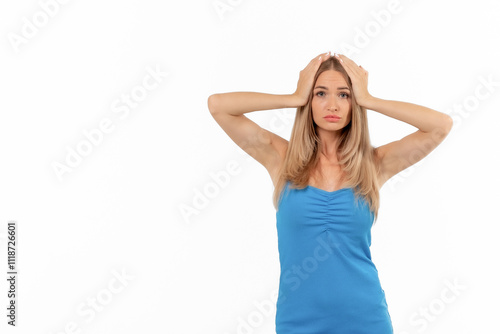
{"x":327,"y":181}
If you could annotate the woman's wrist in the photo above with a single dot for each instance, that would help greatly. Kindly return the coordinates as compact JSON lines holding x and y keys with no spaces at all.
{"x":367,"y":102}
{"x":295,"y":101}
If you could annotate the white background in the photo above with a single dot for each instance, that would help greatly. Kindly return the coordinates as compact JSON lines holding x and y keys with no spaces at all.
{"x":133,"y":203}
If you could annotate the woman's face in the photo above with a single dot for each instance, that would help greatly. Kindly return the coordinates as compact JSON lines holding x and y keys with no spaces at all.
{"x":331,"y":97}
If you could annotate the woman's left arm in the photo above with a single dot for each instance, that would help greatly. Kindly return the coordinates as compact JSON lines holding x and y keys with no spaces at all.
{"x":433,"y":126}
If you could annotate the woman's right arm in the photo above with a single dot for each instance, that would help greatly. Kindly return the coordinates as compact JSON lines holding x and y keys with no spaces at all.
{"x":238,"y":103}
{"x":266,"y":147}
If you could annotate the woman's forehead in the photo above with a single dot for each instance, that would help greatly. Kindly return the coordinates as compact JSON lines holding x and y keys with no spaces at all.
{"x":331,"y":78}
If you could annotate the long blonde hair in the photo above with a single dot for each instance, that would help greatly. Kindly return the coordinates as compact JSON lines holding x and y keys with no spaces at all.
{"x":355,"y":153}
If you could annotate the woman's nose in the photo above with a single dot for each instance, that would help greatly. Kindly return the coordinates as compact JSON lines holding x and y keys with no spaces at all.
{"x":333,"y":105}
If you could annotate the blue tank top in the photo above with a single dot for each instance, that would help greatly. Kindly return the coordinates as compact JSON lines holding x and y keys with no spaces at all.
{"x":328,"y":282}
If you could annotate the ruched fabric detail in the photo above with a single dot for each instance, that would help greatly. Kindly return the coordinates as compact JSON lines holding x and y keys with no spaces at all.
{"x":328,"y":282}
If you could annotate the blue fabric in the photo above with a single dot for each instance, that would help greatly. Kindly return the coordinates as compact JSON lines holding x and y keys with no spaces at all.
{"x":328,"y":282}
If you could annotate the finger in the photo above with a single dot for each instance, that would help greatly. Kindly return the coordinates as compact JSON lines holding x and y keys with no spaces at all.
{"x":324,"y":56}
{"x":350,"y":66}
{"x":345,"y":63}
{"x":347,"y":59}
{"x":316,"y":61}
{"x":349,"y":63}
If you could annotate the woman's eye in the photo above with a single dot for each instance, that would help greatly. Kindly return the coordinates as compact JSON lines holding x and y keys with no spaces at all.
{"x":345,"y":94}
{"x":320,"y":93}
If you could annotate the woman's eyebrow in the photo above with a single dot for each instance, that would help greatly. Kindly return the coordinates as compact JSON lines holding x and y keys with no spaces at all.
{"x":326,"y":88}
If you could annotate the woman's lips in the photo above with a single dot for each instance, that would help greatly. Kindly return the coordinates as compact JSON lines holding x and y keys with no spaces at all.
{"x":332,"y":118}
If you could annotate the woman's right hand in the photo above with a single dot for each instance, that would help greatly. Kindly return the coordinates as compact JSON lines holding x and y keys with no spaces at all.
{"x":306,"y":78}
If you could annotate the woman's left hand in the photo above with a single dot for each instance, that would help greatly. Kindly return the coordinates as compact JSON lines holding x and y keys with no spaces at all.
{"x":359,"y":79}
